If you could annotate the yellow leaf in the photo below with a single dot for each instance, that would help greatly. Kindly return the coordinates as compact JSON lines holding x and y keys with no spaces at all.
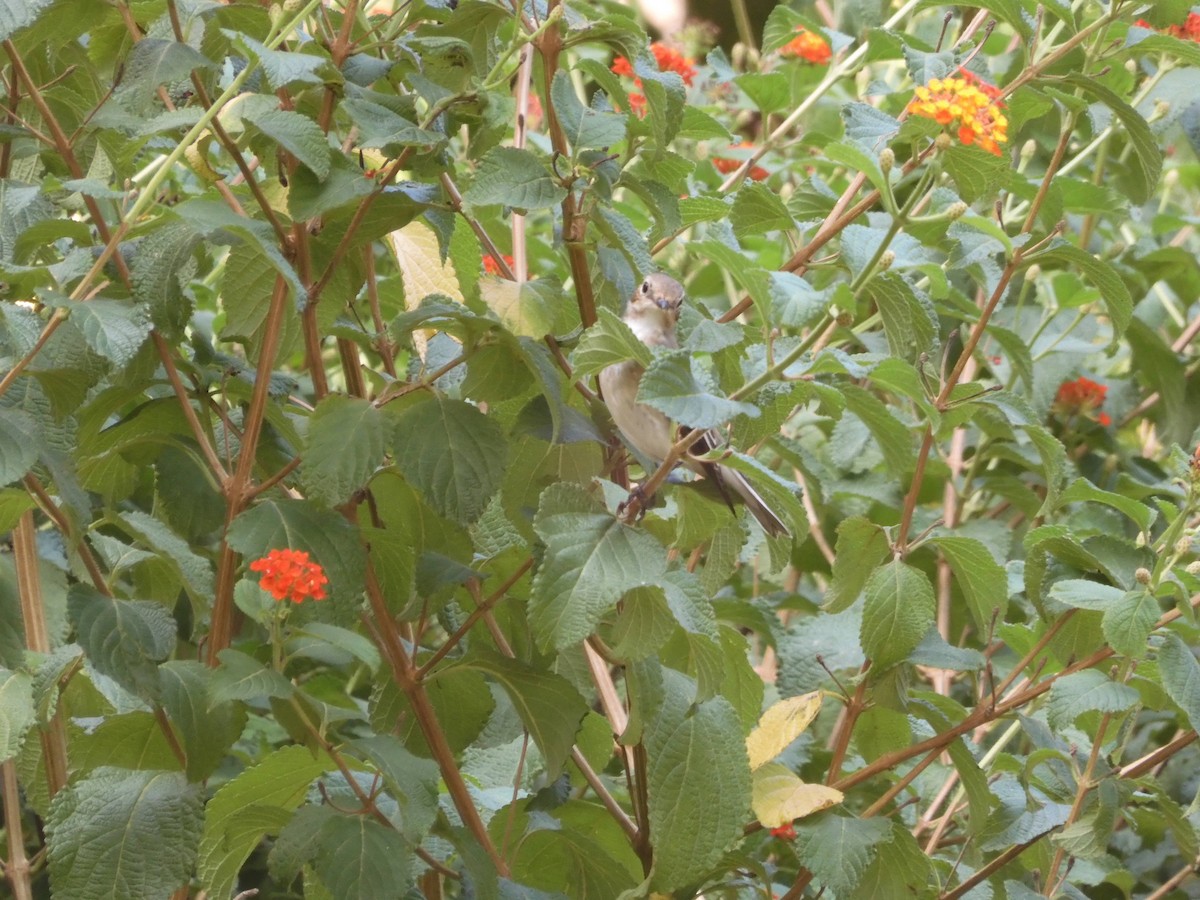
{"x":780,"y":725}
{"x":422,"y":270}
{"x":779,"y":797}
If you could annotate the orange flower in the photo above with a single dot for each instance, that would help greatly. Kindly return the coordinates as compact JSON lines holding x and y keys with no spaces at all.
{"x":955,"y":101}
{"x":1081,"y":397}
{"x":808,"y":46}
{"x":492,"y":267}
{"x":725,"y":164}
{"x":1188,"y":31}
{"x":290,"y":575}
{"x":668,"y":59}
{"x":784,"y":832}
{"x":989,"y":90}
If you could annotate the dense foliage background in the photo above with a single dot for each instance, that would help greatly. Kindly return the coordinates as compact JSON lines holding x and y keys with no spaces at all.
{"x":333,"y":279}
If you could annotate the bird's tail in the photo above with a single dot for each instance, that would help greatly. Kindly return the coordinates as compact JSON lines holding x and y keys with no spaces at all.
{"x":771,"y":523}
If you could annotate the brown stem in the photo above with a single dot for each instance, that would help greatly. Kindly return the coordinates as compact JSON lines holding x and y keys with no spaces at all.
{"x":994,"y":865}
{"x":803,"y":878}
{"x":1156,"y":757}
{"x":17,"y":867}
{"x":37,"y":639}
{"x":383,"y":344}
{"x":63,"y":524}
{"x":845,"y":727}
{"x":185,"y":404}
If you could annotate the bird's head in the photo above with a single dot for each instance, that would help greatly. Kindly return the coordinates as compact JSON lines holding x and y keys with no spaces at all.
{"x":658,"y":296}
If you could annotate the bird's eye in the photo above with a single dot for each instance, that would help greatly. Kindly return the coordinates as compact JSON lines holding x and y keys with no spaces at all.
{"x":645,"y":287}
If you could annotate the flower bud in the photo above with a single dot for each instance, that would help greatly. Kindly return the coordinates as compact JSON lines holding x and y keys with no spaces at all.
{"x":956,"y":211}
{"x":1142,"y":576}
{"x":1193,"y":568}
{"x":1131,"y":66}
{"x":1028,"y":149}
{"x":1183,"y":545}
{"x":845,"y":319}
{"x":886,"y":260}
{"x":943,"y":142}
{"x":887,"y":159}
{"x":275,"y":14}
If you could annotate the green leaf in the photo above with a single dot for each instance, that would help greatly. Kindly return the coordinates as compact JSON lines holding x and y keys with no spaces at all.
{"x":909,"y":319}
{"x":780,"y":797}
{"x":1082,"y":490}
{"x":838,"y":849}
{"x":301,"y":525}
{"x":1181,"y":676}
{"x":698,"y":776}
{"x":242,"y":677}
{"x":900,"y":870}
{"x":515,"y":178}
{"x":154,"y":62}
{"x":549,"y":707}
{"x":332,"y":645}
{"x":18,"y":444}
{"x":591,"y":561}
{"x":895,"y":439}
{"x":387,"y":131}
{"x":1099,"y":272}
{"x":206,"y":730}
{"x":861,"y":546}
{"x":285,"y":69}
{"x":899,"y":609}
{"x":1147,"y":157}
{"x":1127,"y":623}
{"x":410,"y":780}
{"x":16,"y":711}
{"x":297,"y":134}
{"x":124,"y":834}
{"x":112,"y":329}
{"x":357,"y":857}
{"x":1079,"y":593}
{"x":527,"y":308}
{"x":163,"y":265}
{"x":452,"y":453}
{"x":569,"y":859}
{"x":607,"y":342}
{"x":982,"y":580}
{"x":757,"y":210}
{"x":976,"y":172}
{"x":1088,"y":691}
{"x":670,"y":386}
{"x":584,"y":128}
{"x":345,"y":445}
{"x":132,"y":740}
{"x":195,"y":569}
{"x":256,"y":802}
{"x":123,"y":639}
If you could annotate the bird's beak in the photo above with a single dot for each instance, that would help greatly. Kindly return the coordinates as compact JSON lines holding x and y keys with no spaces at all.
{"x":665,"y":305}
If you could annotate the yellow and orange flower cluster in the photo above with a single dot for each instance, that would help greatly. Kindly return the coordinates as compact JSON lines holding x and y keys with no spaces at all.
{"x":1082,"y":397}
{"x":291,"y":575}
{"x":726,"y":164}
{"x":1188,"y":31}
{"x":808,"y":46}
{"x":668,"y":59}
{"x":978,"y":119}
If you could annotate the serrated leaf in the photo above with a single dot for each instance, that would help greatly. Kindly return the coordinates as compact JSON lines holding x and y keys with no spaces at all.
{"x":411,"y":781}
{"x":669,"y":386}
{"x":976,"y":172}
{"x":909,"y":319}
{"x":16,"y":711}
{"x":1088,"y":691}
{"x":242,"y":677}
{"x":18,"y":444}
{"x":982,"y":580}
{"x":452,"y":453}
{"x":423,"y":269}
{"x":358,"y":858}
{"x":1127,"y":623}
{"x":153,"y":62}
{"x":386,"y":130}
{"x":163,"y":264}
{"x":123,"y":639}
{"x":1181,"y":676}
{"x":838,"y":849}
{"x":124,"y":834}
{"x":1147,"y":157}
{"x":298,"y":135}
{"x":585,"y":128}
{"x":591,"y":561}
{"x":525,"y":307}
{"x":206,"y":730}
{"x":779,"y":726}
{"x":861,"y":546}
{"x":900,"y":871}
{"x":899,"y":609}
{"x":196,"y":570}
{"x":1079,"y":593}
{"x":698,"y":780}
{"x":18,"y":14}
{"x":607,"y":342}
{"x":515,"y":178}
{"x":757,"y":210}
{"x":273,"y":787}
{"x":345,"y":446}
{"x":895,"y":439}
{"x":1115,"y":295}
{"x":779,"y":796}
{"x":284,"y":69}
{"x":549,"y":707}
{"x":112,"y":329}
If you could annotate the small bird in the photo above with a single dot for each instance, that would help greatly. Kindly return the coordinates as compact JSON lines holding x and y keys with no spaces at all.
{"x":652,"y":314}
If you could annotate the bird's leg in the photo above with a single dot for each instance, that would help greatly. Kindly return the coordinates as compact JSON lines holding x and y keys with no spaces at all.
{"x":637,"y":497}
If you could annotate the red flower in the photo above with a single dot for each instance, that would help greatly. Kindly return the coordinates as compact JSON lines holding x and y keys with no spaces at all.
{"x":1081,"y":397}
{"x":784,"y":832}
{"x":1188,"y":31}
{"x":808,"y":46}
{"x":290,"y":575}
{"x":987,"y":89}
{"x":725,"y":164}
{"x":668,"y":59}
{"x":493,"y":268}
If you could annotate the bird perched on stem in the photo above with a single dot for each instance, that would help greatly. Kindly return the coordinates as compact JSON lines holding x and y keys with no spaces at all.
{"x":652,"y":314}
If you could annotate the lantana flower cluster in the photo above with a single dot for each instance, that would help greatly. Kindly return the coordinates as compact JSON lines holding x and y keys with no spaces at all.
{"x":1082,"y":397}
{"x":974,"y":113}
{"x":669,"y":60}
{"x":808,"y":46}
{"x":1188,"y":31}
{"x":727,"y":164}
{"x":291,"y":575}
